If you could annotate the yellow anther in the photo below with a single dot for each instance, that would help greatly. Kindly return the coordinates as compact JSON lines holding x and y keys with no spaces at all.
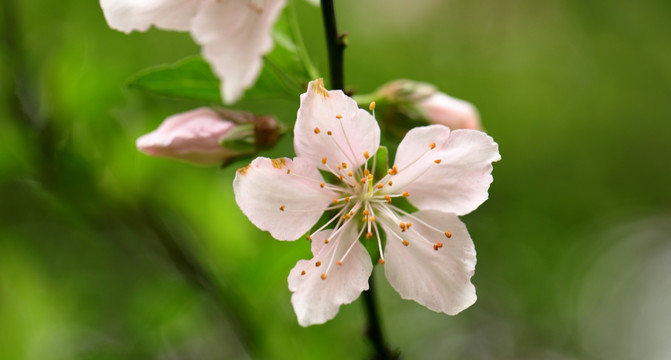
{"x":405,"y":193}
{"x":303,"y":272}
{"x":324,"y":161}
{"x":391,"y":183}
{"x":371,"y":218}
{"x":321,"y":185}
{"x":366,"y":212}
{"x":338,"y":167}
{"x":317,"y":131}
{"x":349,"y":173}
{"x":371,"y":107}
{"x":432,"y":146}
{"x":329,"y":132}
{"x":341,"y":177}
{"x":347,"y":216}
{"x":335,"y":201}
{"x":344,"y":165}
{"x":366,"y":172}
{"x":408,"y":225}
{"x":370,"y":177}
{"x":405,"y":242}
{"x":448,"y":234}
{"x":369,"y":235}
{"x":381,"y":261}
{"x":393,"y":170}
{"x":318,"y":263}
{"x":338,"y":116}
{"x":437,"y":161}
{"x":380,"y":185}
{"x":308,"y":237}
{"x":364,"y":219}
{"x":387,"y":198}
{"x":339,"y":263}
{"x":282,"y":208}
{"x":402,"y":226}
{"x":323,"y":276}
{"x":363,"y":180}
{"x":366,"y":155}
{"x":347,"y":199}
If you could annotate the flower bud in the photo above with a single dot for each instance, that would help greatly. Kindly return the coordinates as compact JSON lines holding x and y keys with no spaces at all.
{"x":404,"y":104}
{"x":210,"y":137}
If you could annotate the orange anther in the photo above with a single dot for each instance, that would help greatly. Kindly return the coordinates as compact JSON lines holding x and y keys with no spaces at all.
{"x":318,"y":263}
{"x":381,"y":261}
{"x":344,"y":165}
{"x":329,"y":132}
{"x":369,"y":235}
{"x":338,"y":116}
{"x":303,"y":272}
{"x":317,"y":131}
{"x":380,"y":185}
{"x":387,"y":198}
{"x":405,"y":242}
{"x":326,"y":241}
{"x":405,"y":193}
{"x":339,"y":263}
{"x":448,"y":234}
{"x":366,"y":154}
{"x":432,"y":146}
{"x":437,"y":161}
{"x":322,"y":185}
{"x":371,"y":107}
{"x":323,"y":276}
{"x":282,"y":208}
{"x":324,"y":161}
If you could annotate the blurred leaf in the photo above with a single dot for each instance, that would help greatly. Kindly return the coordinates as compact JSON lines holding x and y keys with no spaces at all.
{"x":284,"y":74}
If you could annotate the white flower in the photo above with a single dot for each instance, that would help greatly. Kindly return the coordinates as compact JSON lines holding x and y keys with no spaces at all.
{"x":429,"y":256}
{"x":234,"y":34}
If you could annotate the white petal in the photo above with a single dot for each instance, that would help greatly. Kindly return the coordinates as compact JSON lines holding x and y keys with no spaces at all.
{"x":129,"y":15}
{"x":439,"y":280}
{"x":354,"y":133}
{"x":459,"y":182}
{"x":317,"y":300}
{"x":235,"y":34}
{"x":285,"y":204}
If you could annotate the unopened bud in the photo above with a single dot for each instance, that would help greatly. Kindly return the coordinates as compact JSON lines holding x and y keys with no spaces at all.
{"x":207,"y":137}
{"x":404,"y":104}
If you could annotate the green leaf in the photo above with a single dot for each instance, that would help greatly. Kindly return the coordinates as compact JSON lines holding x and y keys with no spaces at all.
{"x":190,"y":78}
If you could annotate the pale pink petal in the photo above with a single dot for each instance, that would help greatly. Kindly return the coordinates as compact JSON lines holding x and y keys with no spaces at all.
{"x":454,"y":176}
{"x":281,"y":196}
{"x":317,"y":300}
{"x":443,"y":109}
{"x":235,"y":34}
{"x":193,"y":136}
{"x":129,"y":15}
{"x":353,"y":130}
{"x":438,"y":279}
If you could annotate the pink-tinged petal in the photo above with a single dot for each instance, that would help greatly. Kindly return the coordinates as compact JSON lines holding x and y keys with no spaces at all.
{"x":443,"y":170}
{"x":443,"y":109}
{"x":281,"y":196}
{"x":192,"y":136}
{"x":235,"y":34}
{"x":129,"y":15}
{"x":353,"y":131}
{"x":317,"y":299}
{"x":438,"y":279}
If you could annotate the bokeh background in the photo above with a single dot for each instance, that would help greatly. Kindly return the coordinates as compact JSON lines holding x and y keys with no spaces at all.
{"x":106,"y":253}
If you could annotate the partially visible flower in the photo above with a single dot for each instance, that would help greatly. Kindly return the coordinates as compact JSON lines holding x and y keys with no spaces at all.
{"x":196,"y":136}
{"x":429,"y":256}
{"x":405,"y":104}
{"x":234,"y":34}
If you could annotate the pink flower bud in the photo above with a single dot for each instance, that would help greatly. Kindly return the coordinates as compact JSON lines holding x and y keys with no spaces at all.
{"x":193,"y":136}
{"x":440,"y":108}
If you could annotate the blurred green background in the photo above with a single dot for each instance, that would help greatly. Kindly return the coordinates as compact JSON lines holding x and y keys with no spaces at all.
{"x":106,"y":253}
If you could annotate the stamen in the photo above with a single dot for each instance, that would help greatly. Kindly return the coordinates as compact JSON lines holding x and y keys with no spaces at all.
{"x":288,"y":171}
{"x":282,"y":208}
{"x":380,"y":185}
{"x":338,"y":116}
{"x":369,"y":235}
{"x":432,"y":146}
{"x":318,"y":263}
{"x":349,"y":173}
{"x":329,"y":132}
{"x":366,"y":155}
{"x":393,"y":170}
{"x":388,"y":198}
{"x":317,"y":131}
{"x":339,"y":263}
{"x":437,"y":161}
{"x":308,"y":237}
{"x":405,"y":193}
{"x":322,"y":185}
{"x":344,"y":165}
{"x":391,"y":183}
{"x":347,"y":198}
{"x":324,"y":161}
{"x":405,"y":242}
{"x":437,"y":246}
{"x":448,"y":234}
{"x":371,"y":107}
{"x":303,"y":272}
{"x":381,"y":261}
{"x":324,"y":276}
